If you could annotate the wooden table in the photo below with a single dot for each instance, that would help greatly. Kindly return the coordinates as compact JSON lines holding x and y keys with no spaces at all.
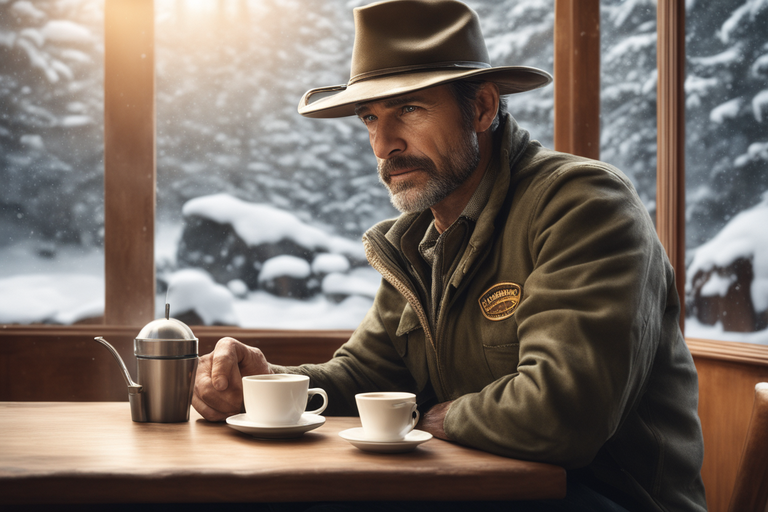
{"x":61,"y":452}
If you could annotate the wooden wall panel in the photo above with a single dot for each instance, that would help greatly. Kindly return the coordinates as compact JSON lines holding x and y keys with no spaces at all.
{"x":66,"y":364}
{"x":726,"y":392}
{"x":287,"y":348}
{"x":63,"y":366}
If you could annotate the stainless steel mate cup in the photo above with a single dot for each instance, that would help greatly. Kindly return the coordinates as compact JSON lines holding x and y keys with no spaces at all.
{"x":166,"y":358}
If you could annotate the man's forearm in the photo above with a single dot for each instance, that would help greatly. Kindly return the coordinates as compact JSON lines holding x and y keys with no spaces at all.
{"x":432,"y":420}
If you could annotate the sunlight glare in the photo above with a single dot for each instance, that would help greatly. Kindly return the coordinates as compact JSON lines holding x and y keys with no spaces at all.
{"x":201,"y":6}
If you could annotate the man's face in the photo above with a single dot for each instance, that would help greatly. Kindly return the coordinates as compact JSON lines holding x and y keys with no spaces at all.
{"x":424,"y":149}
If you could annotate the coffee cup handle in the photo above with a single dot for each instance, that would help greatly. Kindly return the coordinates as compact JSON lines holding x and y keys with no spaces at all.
{"x":415,"y":419}
{"x":318,"y":391}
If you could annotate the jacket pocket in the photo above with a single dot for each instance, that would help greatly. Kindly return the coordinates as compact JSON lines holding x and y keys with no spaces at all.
{"x":409,"y":322}
{"x":502,"y":359}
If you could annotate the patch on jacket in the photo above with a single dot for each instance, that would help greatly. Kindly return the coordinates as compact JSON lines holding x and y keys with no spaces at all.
{"x":500,"y":301}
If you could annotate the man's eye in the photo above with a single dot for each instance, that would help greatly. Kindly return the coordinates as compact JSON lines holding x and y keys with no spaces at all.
{"x":409,"y":108}
{"x":368,"y":119}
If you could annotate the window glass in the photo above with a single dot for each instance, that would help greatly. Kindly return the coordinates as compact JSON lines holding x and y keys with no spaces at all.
{"x":261,"y":211}
{"x":628,"y":92}
{"x":726,"y":90}
{"x":51,"y":161}
{"x":521,"y":33}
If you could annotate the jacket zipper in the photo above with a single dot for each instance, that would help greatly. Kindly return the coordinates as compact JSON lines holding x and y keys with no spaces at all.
{"x":376,"y":253}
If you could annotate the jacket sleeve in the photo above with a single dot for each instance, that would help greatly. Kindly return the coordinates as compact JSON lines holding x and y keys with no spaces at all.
{"x":367,"y":362}
{"x":588,"y":324}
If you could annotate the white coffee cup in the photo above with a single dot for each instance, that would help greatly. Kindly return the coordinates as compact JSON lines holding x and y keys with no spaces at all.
{"x":387,"y":416}
{"x":279,"y":399}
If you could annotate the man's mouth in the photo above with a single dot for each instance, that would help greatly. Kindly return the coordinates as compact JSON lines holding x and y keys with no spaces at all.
{"x":400,"y":172}
{"x":397,"y":173}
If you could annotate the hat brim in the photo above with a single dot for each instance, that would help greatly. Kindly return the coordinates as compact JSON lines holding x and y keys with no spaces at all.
{"x":509,"y":79}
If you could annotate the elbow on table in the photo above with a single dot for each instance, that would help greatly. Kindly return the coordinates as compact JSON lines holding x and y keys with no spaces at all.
{"x":566,"y":449}
{"x":572,"y":448}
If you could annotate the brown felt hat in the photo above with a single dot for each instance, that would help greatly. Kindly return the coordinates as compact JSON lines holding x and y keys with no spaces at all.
{"x":405,"y":45}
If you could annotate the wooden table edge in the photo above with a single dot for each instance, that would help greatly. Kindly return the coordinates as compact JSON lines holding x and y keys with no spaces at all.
{"x":227,"y":488}
{"x":20,"y":485}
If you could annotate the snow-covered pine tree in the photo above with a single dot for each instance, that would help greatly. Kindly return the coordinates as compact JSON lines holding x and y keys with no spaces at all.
{"x":51,"y":144}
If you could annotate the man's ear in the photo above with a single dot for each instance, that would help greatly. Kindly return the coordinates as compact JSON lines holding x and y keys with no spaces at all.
{"x":486,"y":106}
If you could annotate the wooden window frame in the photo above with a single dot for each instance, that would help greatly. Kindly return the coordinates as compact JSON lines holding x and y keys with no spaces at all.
{"x":130,"y":172}
{"x":577,"y":113}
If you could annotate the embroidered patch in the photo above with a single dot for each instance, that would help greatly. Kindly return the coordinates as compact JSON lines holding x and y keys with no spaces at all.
{"x":500,"y":301}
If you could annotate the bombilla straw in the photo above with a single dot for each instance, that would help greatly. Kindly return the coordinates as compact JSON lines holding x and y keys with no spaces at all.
{"x":167,"y":311}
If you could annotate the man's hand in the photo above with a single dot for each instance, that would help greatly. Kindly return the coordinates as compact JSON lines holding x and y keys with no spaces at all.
{"x":432,"y":420}
{"x":218,"y":384}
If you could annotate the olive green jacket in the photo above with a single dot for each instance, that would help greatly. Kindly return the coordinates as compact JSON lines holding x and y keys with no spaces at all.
{"x":557,"y":335}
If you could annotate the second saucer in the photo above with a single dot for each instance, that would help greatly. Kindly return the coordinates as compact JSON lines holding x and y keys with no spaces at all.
{"x":411,"y":441}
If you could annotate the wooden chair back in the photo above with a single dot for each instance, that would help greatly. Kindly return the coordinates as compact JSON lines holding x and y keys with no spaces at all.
{"x":750,"y":493}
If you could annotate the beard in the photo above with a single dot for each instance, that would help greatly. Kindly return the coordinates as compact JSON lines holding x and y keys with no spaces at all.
{"x":411,"y":197}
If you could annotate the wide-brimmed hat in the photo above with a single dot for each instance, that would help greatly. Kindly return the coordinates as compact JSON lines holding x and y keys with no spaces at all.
{"x":405,"y":45}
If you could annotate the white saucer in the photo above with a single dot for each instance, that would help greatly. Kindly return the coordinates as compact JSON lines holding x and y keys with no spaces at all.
{"x":306,"y":423}
{"x":411,"y":441}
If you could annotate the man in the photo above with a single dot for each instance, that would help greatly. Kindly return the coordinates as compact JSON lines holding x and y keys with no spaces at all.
{"x":525,"y":299}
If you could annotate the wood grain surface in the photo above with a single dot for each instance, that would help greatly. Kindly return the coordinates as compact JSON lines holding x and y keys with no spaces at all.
{"x":129,"y":162}
{"x":670,"y":139}
{"x":63,"y":363}
{"x":64,"y":452}
{"x":726,"y":394}
{"x":577,"y":77}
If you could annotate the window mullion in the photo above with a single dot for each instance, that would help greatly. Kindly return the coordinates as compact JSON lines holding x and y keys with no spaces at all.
{"x":577,"y":77}
{"x":129,"y":161}
{"x":670,"y":112}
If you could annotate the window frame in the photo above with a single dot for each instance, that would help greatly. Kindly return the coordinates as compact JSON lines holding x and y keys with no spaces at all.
{"x":130,"y":160}
{"x":577,"y":111}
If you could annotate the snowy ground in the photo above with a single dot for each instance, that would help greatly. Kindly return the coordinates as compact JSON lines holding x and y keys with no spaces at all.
{"x":63,"y":289}
{"x":695,"y":329}
{"x":70,"y":287}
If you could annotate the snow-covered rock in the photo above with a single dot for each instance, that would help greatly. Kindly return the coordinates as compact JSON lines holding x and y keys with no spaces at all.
{"x":327,"y":263}
{"x":728,"y":276}
{"x":288,"y":276}
{"x":337,"y":287}
{"x":196,"y":299}
{"x":261,"y":246}
{"x":260,"y":224}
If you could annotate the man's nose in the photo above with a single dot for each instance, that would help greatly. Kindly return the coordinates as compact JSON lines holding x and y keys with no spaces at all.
{"x":387,"y":141}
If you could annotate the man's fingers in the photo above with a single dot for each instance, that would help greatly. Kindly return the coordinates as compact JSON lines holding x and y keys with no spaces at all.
{"x":213,"y":405}
{"x":220,"y":382}
{"x":206,"y":412}
{"x":226,"y":356}
{"x":218,"y":386}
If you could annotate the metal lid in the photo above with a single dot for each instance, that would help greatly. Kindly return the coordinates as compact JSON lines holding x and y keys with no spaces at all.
{"x":165,"y":338}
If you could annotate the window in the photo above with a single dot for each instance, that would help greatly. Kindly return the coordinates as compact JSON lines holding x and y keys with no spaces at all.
{"x":51,"y":162}
{"x":726,"y":95}
{"x":259,"y":210}
{"x":121,"y":274}
{"x":628,"y":93}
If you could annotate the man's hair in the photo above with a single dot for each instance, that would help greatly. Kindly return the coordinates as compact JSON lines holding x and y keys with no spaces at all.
{"x":465,"y":92}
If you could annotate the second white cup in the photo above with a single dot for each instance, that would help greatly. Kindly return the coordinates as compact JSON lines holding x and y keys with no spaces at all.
{"x":387,"y":416}
{"x":279,"y":399}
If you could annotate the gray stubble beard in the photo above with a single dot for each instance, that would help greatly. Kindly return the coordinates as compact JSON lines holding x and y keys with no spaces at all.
{"x":458,"y":167}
